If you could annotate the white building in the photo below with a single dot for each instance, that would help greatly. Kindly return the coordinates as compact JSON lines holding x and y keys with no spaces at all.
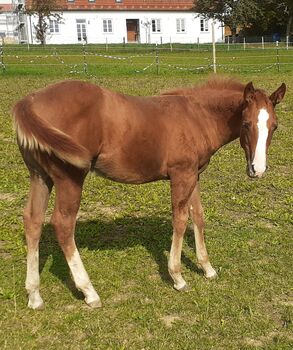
{"x":118,"y":21}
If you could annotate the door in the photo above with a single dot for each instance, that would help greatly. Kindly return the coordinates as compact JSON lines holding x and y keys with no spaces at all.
{"x":132,"y":26}
{"x":81,"y":30}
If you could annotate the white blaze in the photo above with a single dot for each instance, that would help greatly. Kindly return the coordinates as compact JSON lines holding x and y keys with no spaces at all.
{"x":259,"y":161}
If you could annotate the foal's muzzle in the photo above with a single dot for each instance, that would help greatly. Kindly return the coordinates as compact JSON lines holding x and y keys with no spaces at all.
{"x":251,"y":171}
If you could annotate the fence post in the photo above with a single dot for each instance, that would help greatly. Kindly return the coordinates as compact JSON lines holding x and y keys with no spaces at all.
{"x":198,"y":43}
{"x":214,"y":47}
{"x":278,"y":58}
{"x":287,"y":42}
{"x":171,"y":47}
{"x":2,"y":55}
{"x":161,"y":40}
{"x":85,"y":67}
{"x":244,"y":44}
{"x":124,"y":41}
{"x":157,"y":59}
{"x":262,"y":43}
{"x":228,"y":43}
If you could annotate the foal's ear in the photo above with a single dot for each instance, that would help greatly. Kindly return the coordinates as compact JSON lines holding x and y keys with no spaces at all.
{"x":277,"y":96}
{"x":249,"y":92}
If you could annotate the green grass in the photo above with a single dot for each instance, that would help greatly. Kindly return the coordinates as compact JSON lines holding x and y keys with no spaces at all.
{"x":115,"y":60}
{"x":124,"y":236}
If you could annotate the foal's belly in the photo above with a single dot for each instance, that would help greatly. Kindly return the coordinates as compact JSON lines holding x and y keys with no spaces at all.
{"x":130,"y":168}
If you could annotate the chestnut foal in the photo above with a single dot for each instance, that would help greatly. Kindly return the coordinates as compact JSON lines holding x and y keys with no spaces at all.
{"x":73,"y":127}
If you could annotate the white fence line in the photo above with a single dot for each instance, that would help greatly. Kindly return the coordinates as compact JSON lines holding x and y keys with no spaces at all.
{"x":192,"y":61}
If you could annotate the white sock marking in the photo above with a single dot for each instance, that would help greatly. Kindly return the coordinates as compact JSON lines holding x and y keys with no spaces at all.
{"x":259,"y":161}
{"x":174,"y":262}
{"x":81,"y":278}
{"x":32,"y":283}
{"x":201,"y":253}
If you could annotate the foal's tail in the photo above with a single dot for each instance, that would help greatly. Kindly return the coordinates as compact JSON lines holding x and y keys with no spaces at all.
{"x":34,"y":133}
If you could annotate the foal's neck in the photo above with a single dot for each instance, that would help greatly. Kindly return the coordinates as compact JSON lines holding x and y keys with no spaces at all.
{"x":226,"y":114}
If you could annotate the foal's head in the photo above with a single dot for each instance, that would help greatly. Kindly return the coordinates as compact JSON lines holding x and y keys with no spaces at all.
{"x":259,"y":121}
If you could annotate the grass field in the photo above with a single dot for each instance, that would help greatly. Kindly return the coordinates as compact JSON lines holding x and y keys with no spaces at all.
{"x":124,"y":236}
{"x":116,"y":60}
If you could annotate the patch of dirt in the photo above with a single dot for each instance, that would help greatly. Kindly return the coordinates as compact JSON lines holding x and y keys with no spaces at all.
{"x":7,"y":197}
{"x":154,"y":277}
{"x":285,"y":300}
{"x":3,"y":253}
{"x":252,"y":243}
{"x":69,"y":307}
{"x":284,"y":170}
{"x":97,"y":210}
{"x":169,"y":320}
{"x":120,"y":298}
{"x":286,"y":303}
{"x":262,"y":340}
{"x":266,"y":224}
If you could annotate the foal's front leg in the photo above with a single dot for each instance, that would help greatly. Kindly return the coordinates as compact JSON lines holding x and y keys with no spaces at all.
{"x":182,"y":184}
{"x":196,"y":214}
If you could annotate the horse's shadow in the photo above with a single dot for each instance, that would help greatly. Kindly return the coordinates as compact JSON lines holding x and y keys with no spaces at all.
{"x":153,"y":233}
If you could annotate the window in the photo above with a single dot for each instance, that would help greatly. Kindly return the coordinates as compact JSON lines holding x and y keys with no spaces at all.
{"x":180,"y":25}
{"x":204,"y":25}
{"x":156,"y":25}
{"x":81,"y":30}
{"x":53,"y":26}
{"x":9,"y":19}
{"x":107,"y":26}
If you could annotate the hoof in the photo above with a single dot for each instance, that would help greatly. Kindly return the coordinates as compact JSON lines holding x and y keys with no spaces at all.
{"x":95,"y":304}
{"x":212,"y":275}
{"x":183,"y":288}
{"x":36,"y":306}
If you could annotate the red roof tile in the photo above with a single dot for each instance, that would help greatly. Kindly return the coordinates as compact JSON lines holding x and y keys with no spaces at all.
{"x":125,"y":5}
{"x":5,"y":7}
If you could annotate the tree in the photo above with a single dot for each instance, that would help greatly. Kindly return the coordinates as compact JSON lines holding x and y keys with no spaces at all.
{"x":44,"y":10}
{"x":283,"y":14}
{"x":253,"y":16}
{"x":288,"y":10}
{"x":232,"y":13}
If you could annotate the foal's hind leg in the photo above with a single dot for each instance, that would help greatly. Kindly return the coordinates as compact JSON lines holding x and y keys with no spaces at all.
{"x":68,"y":194}
{"x":33,"y":219}
{"x":196,"y":214}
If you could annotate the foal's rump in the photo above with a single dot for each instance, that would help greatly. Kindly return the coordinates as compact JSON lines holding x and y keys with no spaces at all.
{"x":35,"y":134}
{"x":50,"y":119}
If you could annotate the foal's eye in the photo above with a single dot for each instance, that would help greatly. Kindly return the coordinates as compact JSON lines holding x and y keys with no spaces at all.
{"x":246,"y":125}
{"x":275,"y":127}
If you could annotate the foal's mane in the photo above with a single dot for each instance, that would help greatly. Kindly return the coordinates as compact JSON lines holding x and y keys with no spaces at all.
{"x":212,"y":85}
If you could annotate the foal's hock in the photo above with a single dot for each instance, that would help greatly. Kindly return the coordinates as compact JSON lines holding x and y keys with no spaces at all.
{"x":73,"y":127}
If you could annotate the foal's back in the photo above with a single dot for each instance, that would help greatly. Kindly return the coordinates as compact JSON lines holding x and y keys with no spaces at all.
{"x":126,"y":138}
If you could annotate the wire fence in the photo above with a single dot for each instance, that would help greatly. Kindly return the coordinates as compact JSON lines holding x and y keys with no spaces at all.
{"x":153,"y":59}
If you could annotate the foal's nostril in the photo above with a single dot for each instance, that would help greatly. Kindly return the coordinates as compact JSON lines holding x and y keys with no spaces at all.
{"x":250,"y":170}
